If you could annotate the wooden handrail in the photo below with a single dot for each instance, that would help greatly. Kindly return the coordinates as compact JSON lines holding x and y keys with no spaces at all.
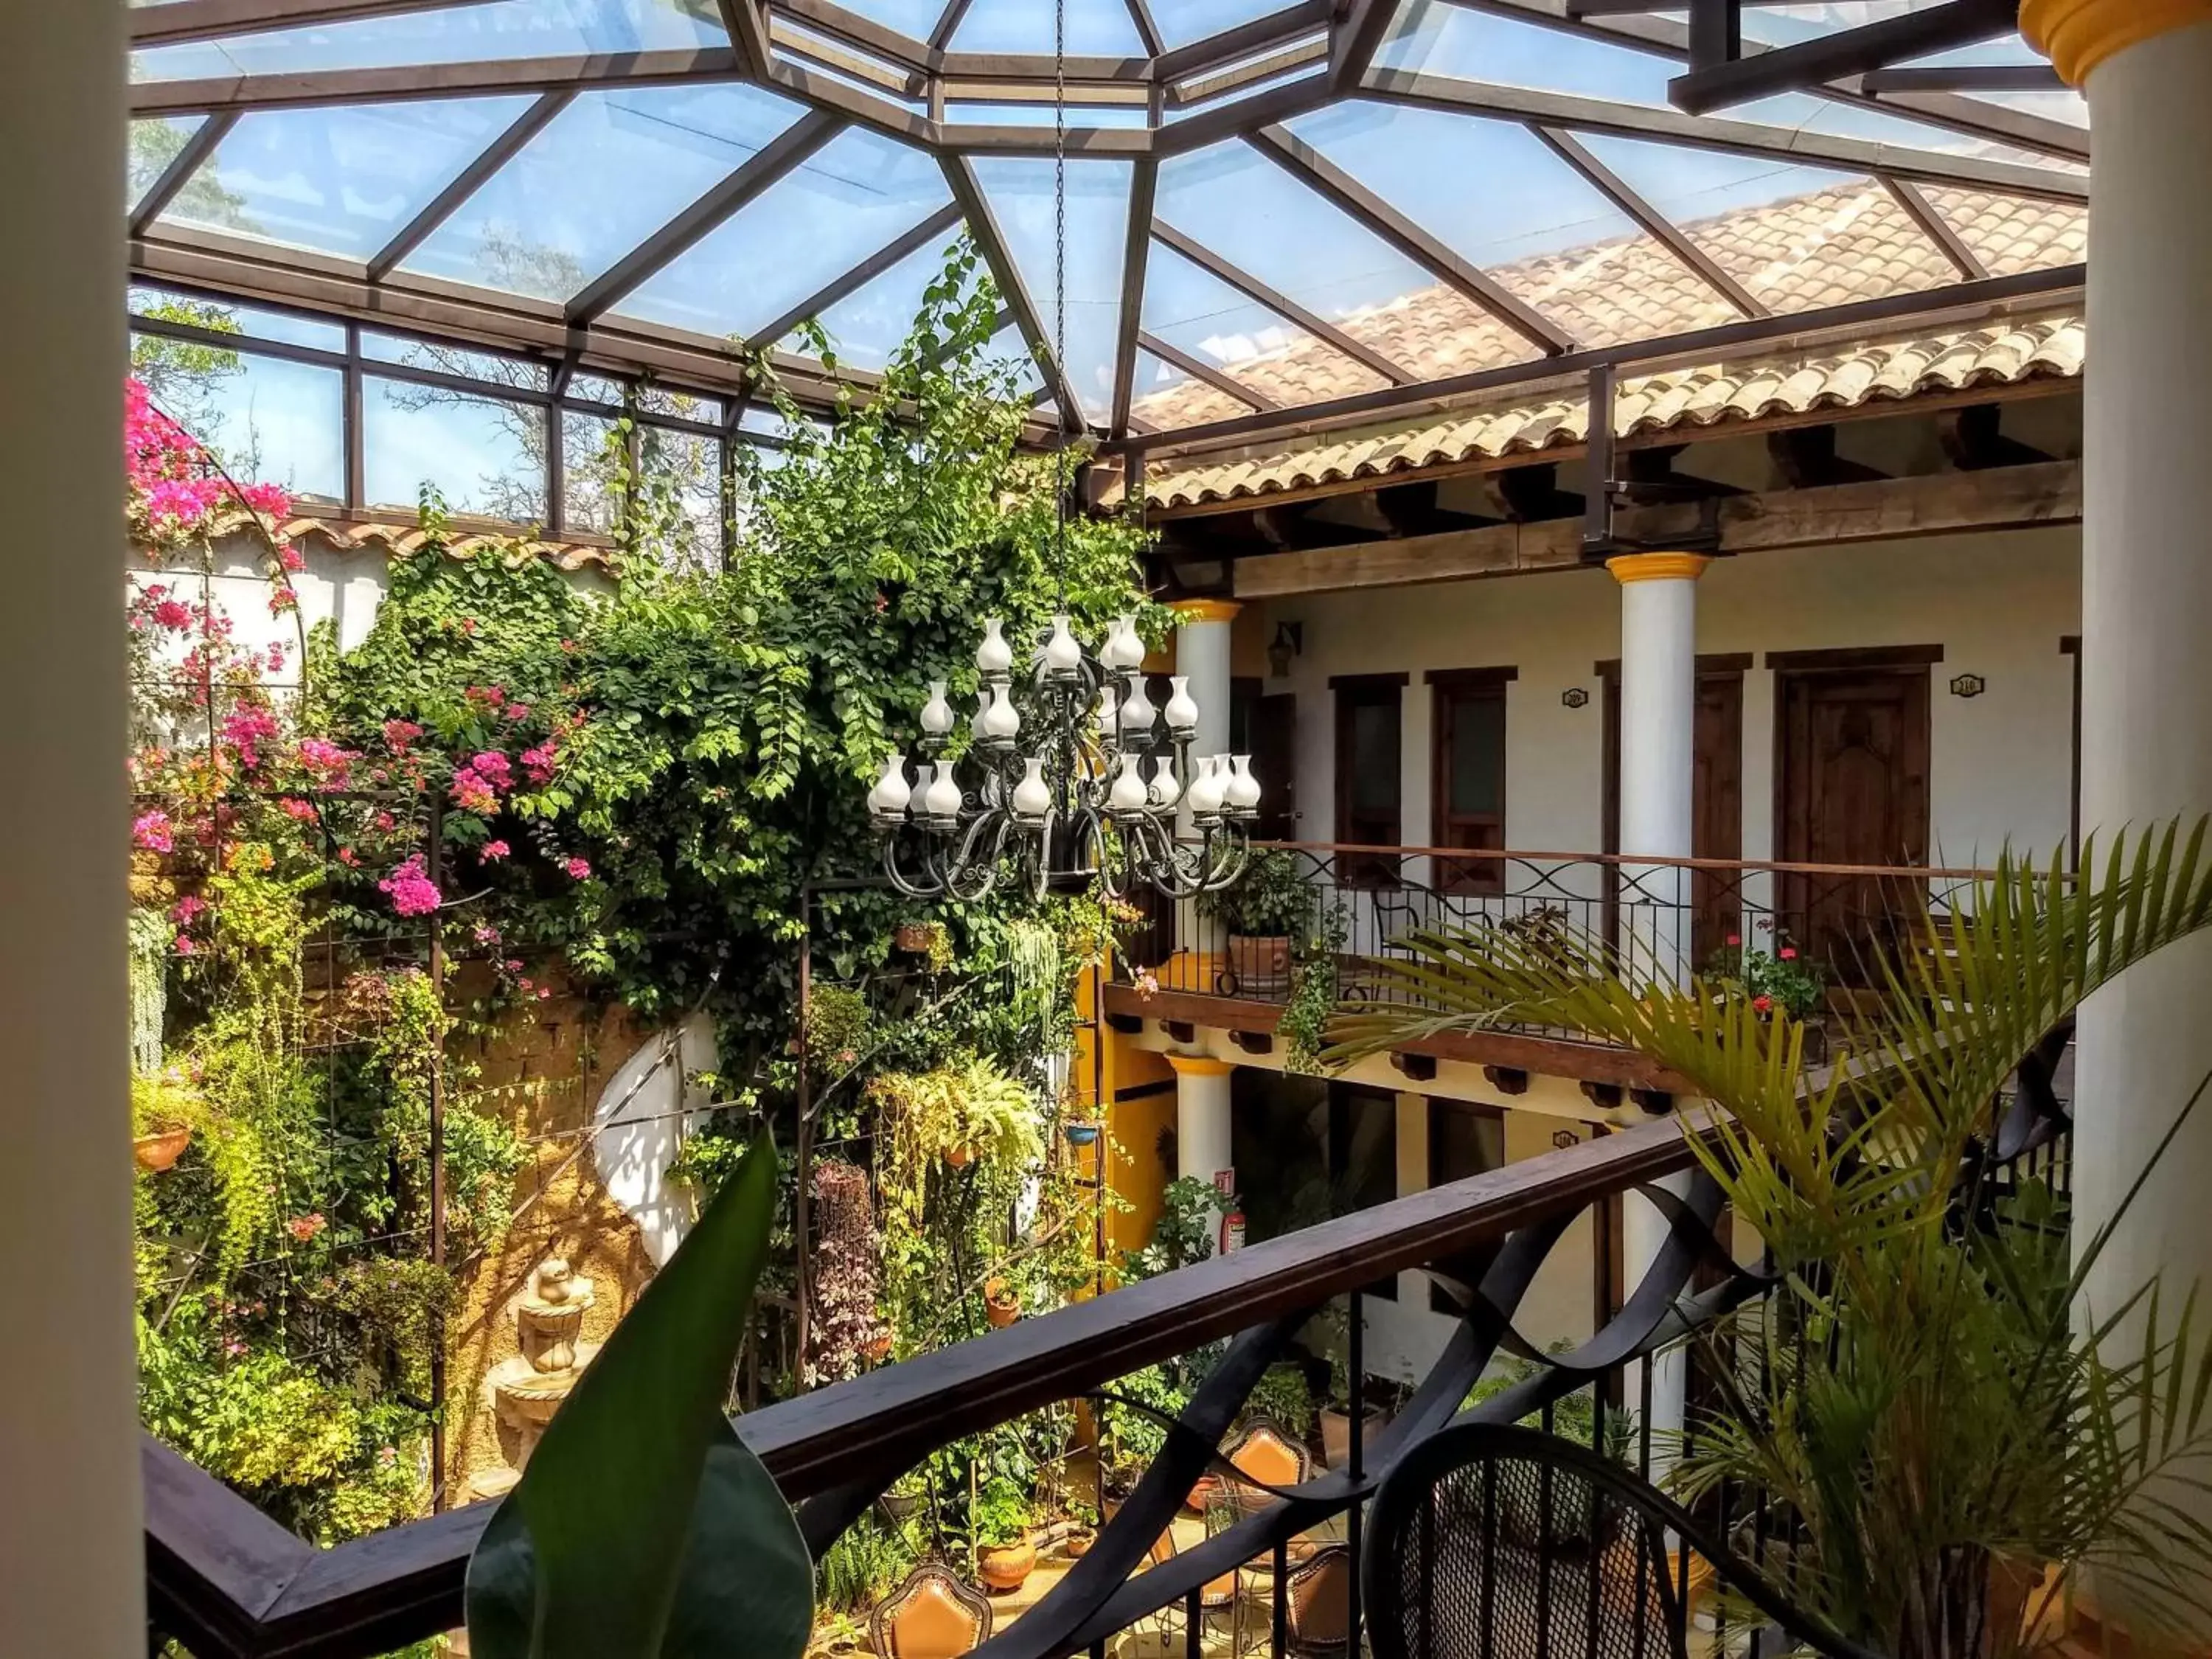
{"x":1749,"y":866}
{"x":227,"y":1581}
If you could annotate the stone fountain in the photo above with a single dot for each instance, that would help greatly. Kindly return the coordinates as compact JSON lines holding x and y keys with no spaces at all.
{"x":527,"y":1389}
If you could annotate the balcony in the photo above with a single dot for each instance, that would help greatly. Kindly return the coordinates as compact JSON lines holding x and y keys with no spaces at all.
{"x":1667,"y":920}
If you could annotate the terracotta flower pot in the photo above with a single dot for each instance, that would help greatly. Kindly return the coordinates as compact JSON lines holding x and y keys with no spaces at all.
{"x":1200,"y":1493}
{"x":1005,"y":1567}
{"x":876,"y":1349}
{"x":959,"y":1157}
{"x":1262,"y":963}
{"x":916,"y":937}
{"x":158,"y":1151}
{"x":1077,"y":1544}
{"x":1000,"y":1305}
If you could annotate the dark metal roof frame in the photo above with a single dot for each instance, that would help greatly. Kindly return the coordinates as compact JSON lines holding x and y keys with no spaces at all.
{"x":858,"y":71}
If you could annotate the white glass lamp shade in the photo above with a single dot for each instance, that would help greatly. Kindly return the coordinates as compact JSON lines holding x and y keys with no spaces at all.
{"x":1062,"y":655}
{"x":979,"y":722}
{"x":1137,"y":709}
{"x":1241,"y":792}
{"x":1204,"y":793}
{"x":1165,"y":790}
{"x":1182,"y":708}
{"x":994,"y":655}
{"x":937,"y":716}
{"x":1104,"y":713}
{"x":1129,"y":793}
{"x":942,"y":799}
{"x":889,"y":798}
{"x":1111,"y":650}
{"x":1032,"y":796}
{"x":1000,"y":720}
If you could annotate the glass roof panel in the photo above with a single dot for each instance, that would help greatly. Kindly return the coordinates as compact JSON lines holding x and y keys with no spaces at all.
{"x":482,"y":455}
{"x":1020,"y":191}
{"x":1039,"y":115}
{"x":1165,"y":397}
{"x":1254,"y":214}
{"x":341,"y":180}
{"x":1795,"y":237}
{"x":451,"y":35}
{"x":154,"y":145}
{"x":1094,"y":28}
{"x":912,"y":18}
{"x":1434,"y":37}
{"x":1007,"y":346}
{"x":866,"y":326}
{"x":249,"y":322}
{"x":604,"y":175}
{"x":2012,"y":234}
{"x":1194,"y":310}
{"x":275,"y":419}
{"x":1182,"y":21}
{"x":851,"y":198}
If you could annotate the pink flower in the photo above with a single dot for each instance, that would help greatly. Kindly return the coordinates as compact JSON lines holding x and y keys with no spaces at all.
{"x":172,"y":614}
{"x":493,"y":851}
{"x":1764,"y":1004}
{"x":295,"y":808}
{"x":580,"y":869}
{"x":397,"y":734}
{"x":494,"y":768}
{"x":348,"y":857}
{"x":413,"y":893}
{"x":485,"y":935}
{"x":283,"y":599}
{"x":1734,"y":939}
{"x":513,"y":965}
{"x":517,"y":712}
{"x":1788,"y":953}
{"x":152,"y":831}
{"x":540,"y":762}
{"x":182,"y":944}
{"x":327,"y":760}
{"x":305,"y":1227}
{"x":245,"y":730}
{"x":291,"y":558}
{"x":544,"y":991}
{"x":185,"y":910}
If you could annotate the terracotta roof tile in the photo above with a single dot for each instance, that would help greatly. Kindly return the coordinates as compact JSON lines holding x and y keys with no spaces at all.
{"x":2002,"y":353}
{"x":397,"y":541}
{"x":1849,"y":242}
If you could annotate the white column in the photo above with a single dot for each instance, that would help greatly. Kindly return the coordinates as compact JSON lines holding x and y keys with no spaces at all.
{"x":71,"y":1555}
{"x":1202,"y":1116}
{"x":1202,"y":656}
{"x":1658,"y":731}
{"x":2146,"y":600}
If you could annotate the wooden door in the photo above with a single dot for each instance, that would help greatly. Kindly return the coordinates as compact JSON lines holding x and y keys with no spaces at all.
{"x":1852,"y":789}
{"x":1717,"y":801}
{"x":1273,"y":743}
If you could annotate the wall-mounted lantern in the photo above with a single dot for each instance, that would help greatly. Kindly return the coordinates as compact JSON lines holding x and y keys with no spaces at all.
{"x":1289,"y":641}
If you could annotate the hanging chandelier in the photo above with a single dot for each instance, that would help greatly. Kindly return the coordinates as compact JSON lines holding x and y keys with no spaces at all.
{"x":1061,"y":794}
{"x":1055,"y":787}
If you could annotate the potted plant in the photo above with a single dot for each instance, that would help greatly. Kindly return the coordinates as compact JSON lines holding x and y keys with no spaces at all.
{"x":919,"y":938}
{"x":1268,"y":910}
{"x":1779,"y":980}
{"x":1333,"y":1327}
{"x":1002,"y":1304}
{"x":1004,"y":1557}
{"x":163,"y":1109}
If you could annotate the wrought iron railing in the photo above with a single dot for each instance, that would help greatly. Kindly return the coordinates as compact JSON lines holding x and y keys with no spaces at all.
{"x":226,"y":1581}
{"x":1665,"y":918}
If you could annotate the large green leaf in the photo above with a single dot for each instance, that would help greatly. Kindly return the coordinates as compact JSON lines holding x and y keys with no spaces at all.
{"x":642,"y":1525}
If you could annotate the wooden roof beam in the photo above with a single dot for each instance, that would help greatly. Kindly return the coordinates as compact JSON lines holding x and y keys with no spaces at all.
{"x":1136,"y":252}
{"x":1199,"y":368}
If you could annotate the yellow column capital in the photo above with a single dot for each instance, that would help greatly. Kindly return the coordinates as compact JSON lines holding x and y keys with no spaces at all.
{"x":1657,"y":567}
{"x":1190,"y":611}
{"x":1198,"y":1065}
{"x":2077,"y":35}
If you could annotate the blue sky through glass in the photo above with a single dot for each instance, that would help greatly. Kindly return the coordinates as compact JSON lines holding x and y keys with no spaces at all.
{"x":1020,"y":191}
{"x":343,"y":179}
{"x":1094,"y":28}
{"x":857,"y":194}
{"x":606,"y":173}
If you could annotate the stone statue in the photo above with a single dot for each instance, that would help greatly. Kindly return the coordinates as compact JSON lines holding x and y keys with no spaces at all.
{"x":527,"y":1389}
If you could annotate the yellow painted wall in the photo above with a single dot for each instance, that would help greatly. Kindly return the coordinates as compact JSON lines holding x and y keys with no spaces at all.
{"x":1130,"y":1146}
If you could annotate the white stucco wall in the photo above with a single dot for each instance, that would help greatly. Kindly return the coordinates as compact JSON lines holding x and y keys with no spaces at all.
{"x":1997,"y":603}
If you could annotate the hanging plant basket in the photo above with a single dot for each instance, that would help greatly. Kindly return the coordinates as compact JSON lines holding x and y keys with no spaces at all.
{"x":959,"y":1157}
{"x":918,"y":938}
{"x":1081,"y":1133}
{"x":159,"y":1152}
